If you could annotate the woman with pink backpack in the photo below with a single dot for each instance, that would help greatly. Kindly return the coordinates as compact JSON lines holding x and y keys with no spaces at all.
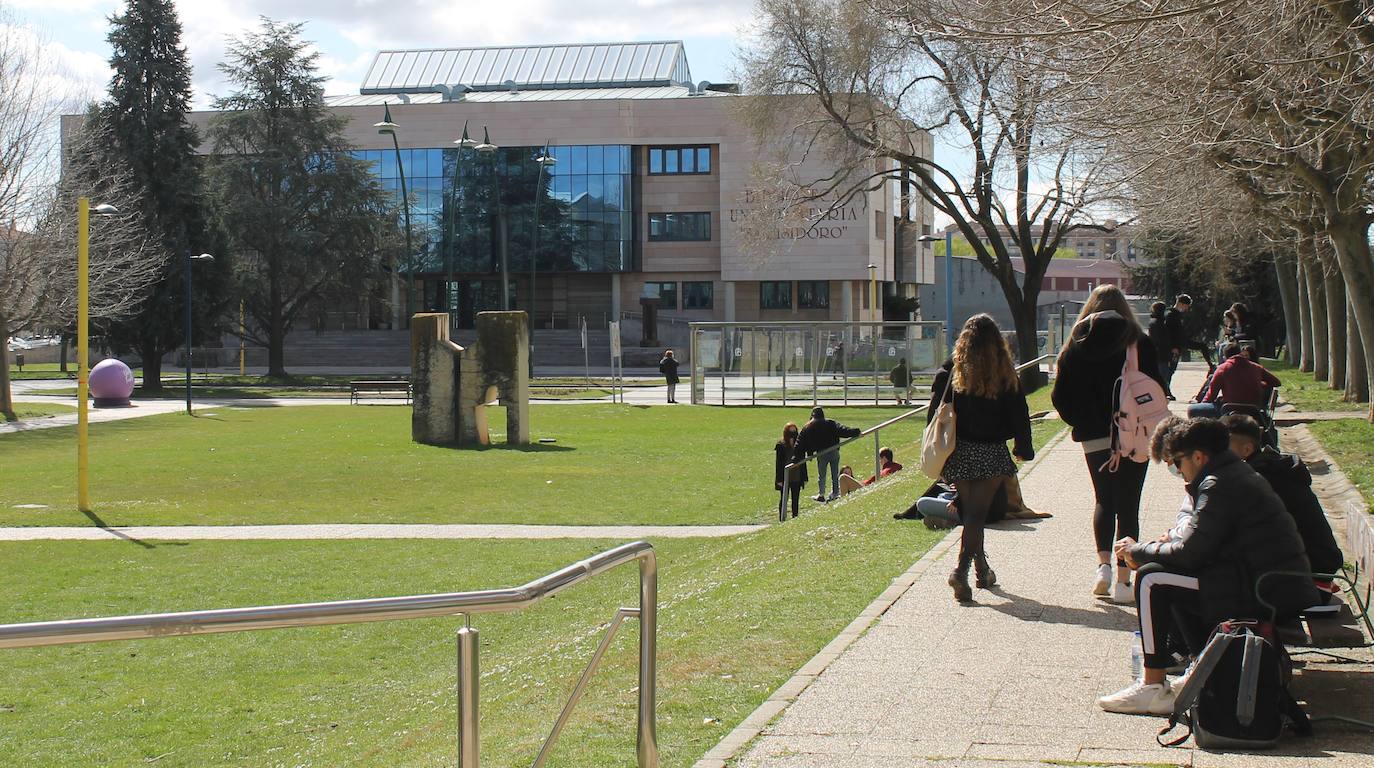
{"x":1107,"y":356}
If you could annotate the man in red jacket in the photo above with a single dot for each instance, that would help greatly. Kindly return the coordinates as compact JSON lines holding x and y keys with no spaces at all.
{"x":1236,"y":380}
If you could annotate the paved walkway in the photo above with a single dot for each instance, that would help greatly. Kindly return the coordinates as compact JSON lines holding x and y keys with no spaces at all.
{"x":373,"y":531}
{"x":1012,"y":679}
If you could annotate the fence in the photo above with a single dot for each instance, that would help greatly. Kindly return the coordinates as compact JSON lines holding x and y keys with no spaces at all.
{"x":413,"y":607}
{"x":790,"y":363}
{"x":876,"y":432}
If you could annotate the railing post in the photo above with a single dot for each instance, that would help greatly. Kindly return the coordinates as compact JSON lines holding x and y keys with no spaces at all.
{"x":468,"y":742}
{"x":877,"y":460}
{"x":647,"y":737}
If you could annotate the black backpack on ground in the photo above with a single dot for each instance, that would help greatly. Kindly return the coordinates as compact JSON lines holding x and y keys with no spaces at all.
{"x":1237,"y":695}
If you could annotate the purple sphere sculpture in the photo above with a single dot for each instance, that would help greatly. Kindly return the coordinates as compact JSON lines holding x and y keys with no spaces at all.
{"x":111,"y":382}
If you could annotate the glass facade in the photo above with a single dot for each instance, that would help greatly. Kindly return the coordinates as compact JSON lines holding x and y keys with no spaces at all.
{"x":578,"y":215}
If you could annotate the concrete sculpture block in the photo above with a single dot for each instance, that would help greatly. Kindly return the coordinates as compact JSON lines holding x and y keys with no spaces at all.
{"x":453,"y":385}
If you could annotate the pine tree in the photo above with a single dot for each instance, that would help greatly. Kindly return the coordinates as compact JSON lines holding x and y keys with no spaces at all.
{"x":145,"y":114}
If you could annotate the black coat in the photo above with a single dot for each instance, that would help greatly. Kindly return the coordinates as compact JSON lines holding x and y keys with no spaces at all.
{"x":1089,"y":366}
{"x":1289,"y":478}
{"x":1239,"y":532}
{"x":816,"y":436}
{"x":1161,"y":338}
{"x":668,"y":367}
{"x":783,"y":456}
{"x":986,"y":419}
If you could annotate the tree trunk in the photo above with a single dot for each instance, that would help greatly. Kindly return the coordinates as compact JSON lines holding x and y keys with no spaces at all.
{"x":276,"y":349}
{"x":152,"y":368}
{"x":1356,"y":378}
{"x":1304,"y":319}
{"x":1028,"y":343}
{"x":1316,"y":300}
{"x":1335,"y":325}
{"x":1352,"y":252}
{"x":62,"y":351}
{"x":1285,"y":271}
{"x":6,"y":396}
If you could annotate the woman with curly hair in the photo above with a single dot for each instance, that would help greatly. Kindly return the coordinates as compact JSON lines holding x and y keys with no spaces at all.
{"x":989,"y":409}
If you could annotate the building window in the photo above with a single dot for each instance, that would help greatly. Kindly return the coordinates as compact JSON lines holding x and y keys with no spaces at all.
{"x":813,"y":294}
{"x":666,"y":293}
{"x":880,"y":224}
{"x":679,"y":160}
{"x":698,"y":295}
{"x":775,"y":294}
{"x":679,"y":226}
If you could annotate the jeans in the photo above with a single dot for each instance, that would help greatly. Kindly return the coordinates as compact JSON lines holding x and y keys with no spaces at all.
{"x":1116,"y":508}
{"x":1204,"y":410}
{"x":672,"y":391}
{"x":831,"y":459}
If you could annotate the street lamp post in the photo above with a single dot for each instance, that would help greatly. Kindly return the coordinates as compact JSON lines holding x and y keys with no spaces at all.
{"x":464,"y":143}
{"x":489,"y":149}
{"x":190,"y":260}
{"x":949,"y":284}
{"x":389,"y":128}
{"x":545,"y":161}
{"x":83,"y":270}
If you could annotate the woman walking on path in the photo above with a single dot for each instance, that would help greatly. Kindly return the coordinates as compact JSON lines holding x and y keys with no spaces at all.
{"x":989,"y":409}
{"x":786,"y":453}
{"x":668,"y":367}
{"x":1084,"y":394}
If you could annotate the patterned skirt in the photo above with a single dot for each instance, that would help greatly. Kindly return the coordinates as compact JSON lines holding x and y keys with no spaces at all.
{"x":973,"y":460}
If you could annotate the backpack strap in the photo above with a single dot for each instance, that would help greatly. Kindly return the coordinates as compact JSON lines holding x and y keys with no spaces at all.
{"x":1184,"y":700}
{"x":1249,"y":678}
{"x":1297,"y":716}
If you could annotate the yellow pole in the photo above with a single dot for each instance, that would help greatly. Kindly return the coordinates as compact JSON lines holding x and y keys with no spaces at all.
{"x":241,"y":368}
{"x":83,"y":491}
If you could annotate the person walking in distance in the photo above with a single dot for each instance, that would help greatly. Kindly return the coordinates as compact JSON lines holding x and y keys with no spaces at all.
{"x":1178,"y":339}
{"x":668,"y":367}
{"x":786,"y":452}
{"x":1161,"y":338}
{"x":989,"y":409}
{"x":821,"y":436}
{"x":1084,"y":394}
{"x":901,"y":382}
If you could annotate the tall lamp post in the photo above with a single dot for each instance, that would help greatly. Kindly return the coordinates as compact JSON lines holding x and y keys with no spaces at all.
{"x":464,"y":143}
{"x":190,"y":260}
{"x":873,"y":290}
{"x":545,"y":161}
{"x":389,"y":128}
{"x":949,"y":284}
{"x":83,"y":270}
{"x":489,"y":149}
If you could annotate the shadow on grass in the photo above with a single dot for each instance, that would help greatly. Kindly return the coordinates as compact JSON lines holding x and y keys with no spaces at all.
{"x":118,"y":534}
{"x":501,"y":446}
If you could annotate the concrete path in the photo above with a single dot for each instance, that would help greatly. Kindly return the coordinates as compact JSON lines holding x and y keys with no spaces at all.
{"x":372,"y":531}
{"x":1010,"y":680}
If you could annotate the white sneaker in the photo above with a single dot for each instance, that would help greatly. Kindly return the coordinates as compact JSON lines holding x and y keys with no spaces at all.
{"x":1176,"y":683}
{"x":1122,"y":593}
{"x":1103,"y":583}
{"x":819,"y":497}
{"x":834,"y":497}
{"x":1140,"y":698}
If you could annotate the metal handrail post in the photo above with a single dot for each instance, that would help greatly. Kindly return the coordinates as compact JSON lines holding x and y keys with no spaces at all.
{"x":877,"y":460}
{"x":469,"y":675}
{"x":647,"y":736}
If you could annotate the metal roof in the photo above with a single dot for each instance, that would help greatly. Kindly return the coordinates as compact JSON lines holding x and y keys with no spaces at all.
{"x":489,"y":97}
{"x":536,"y":67}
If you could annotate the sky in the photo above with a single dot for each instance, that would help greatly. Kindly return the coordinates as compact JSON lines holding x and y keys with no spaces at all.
{"x":348,"y":33}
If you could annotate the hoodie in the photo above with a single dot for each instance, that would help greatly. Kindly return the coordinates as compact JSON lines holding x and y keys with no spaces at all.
{"x":1291,"y":481}
{"x":1088,"y":369}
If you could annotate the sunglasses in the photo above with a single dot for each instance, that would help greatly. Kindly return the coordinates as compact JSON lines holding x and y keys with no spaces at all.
{"x":1176,"y":460}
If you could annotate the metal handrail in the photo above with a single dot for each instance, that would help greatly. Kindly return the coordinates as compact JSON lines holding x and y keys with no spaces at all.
{"x":873,"y":430}
{"x":142,"y":627}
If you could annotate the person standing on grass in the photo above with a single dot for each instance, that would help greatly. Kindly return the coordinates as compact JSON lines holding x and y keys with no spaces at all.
{"x":990,"y":409}
{"x":1085,"y":396}
{"x":787,"y":452}
{"x":901,"y":382}
{"x":821,"y":436}
{"x":668,"y":367}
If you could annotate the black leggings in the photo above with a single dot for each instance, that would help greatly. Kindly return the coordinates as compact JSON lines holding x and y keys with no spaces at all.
{"x":794,"y":490}
{"x":975,"y":499}
{"x":1116,"y":513}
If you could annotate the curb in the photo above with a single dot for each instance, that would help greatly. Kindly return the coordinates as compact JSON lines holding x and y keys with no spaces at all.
{"x":752,"y":726}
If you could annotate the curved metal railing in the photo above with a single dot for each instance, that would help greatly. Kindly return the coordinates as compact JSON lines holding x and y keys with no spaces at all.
{"x":158,"y":625}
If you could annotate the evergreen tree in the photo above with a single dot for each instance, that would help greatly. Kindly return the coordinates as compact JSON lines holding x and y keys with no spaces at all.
{"x":145,"y":116}
{"x":308,"y":220}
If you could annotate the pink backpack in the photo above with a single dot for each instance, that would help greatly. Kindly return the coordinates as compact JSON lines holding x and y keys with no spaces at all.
{"x":1140,"y":406}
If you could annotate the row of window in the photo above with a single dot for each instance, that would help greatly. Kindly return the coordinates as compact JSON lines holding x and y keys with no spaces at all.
{"x":669,"y":227}
{"x":679,"y":160}
{"x":777,"y":294}
{"x":695,"y":294}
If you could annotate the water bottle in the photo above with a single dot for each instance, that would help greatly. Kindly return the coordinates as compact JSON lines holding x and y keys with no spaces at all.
{"x":1137,"y":656}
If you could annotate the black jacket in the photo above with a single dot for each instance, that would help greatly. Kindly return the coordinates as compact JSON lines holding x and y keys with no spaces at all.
{"x":986,"y":419}
{"x":1239,"y":532}
{"x":668,"y":367}
{"x":783,"y":457}
{"x":1176,"y":336}
{"x":816,"y":436}
{"x":1161,"y":337}
{"x":1088,"y":369}
{"x":1289,"y":478}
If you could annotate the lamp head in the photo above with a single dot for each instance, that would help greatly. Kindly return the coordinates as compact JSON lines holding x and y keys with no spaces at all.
{"x":486,"y":146}
{"x":104,"y":209}
{"x":545,"y":159}
{"x":466,"y":142}
{"x":386,"y":126}
{"x":203,"y":257}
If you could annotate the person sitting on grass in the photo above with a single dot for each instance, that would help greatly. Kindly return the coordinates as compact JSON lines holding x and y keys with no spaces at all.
{"x":848,"y":482}
{"x":889,"y":465}
{"x":1289,"y":478}
{"x":1237,"y":380}
{"x":1208,"y":574}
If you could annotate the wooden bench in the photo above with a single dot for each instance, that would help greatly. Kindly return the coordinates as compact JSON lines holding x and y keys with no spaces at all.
{"x":381,"y":388}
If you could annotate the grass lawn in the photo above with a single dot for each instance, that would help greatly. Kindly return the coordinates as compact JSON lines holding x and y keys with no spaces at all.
{"x":611,"y":464}
{"x":41,"y":410}
{"x":738,"y":617}
{"x":1348,"y":441}
{"x":1306,"y":393}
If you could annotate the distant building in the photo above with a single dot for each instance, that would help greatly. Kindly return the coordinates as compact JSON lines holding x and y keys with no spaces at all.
{"x":1119,"y":244}
{"x":1066,"y":285}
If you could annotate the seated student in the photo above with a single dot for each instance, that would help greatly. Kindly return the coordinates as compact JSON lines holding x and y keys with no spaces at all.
{"x":888,"y":465}
{"x":1187,"y":585}
{"x":1289,"y":478}
{"x":1236,"y":380}
{"x":848,"y":482}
